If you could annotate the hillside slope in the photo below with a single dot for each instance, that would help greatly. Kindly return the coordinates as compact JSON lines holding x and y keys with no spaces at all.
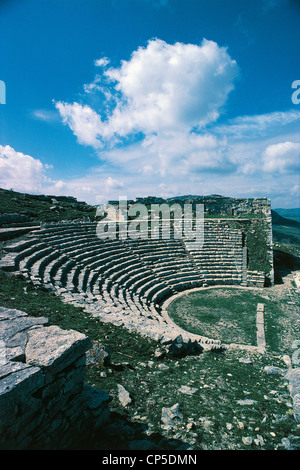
{"x":17,"y":208}
{"x":278,"y":219}
{"x":293,"y":214}
{"x":285,"y":231}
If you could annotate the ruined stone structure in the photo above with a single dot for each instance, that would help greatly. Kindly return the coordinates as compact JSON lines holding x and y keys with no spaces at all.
{"x":44,"y":402}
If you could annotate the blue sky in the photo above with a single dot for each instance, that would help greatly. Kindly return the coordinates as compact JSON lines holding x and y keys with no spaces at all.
{"x":151,"y":97}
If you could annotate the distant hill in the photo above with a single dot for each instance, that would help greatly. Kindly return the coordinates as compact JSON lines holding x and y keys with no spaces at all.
{"x":285,"y":230}
{"x":278,"y":219}
{"x":17,"y":208}
{"x":293,"y":214}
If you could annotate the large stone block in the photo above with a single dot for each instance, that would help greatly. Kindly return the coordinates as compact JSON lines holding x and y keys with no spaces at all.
{"x":54,"y":348}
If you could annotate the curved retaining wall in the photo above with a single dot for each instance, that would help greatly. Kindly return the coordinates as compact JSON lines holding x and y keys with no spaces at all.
{"x":44,"y":402}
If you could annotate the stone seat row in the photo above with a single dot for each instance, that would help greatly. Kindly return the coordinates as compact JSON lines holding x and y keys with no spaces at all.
{"x":46,"y":251}
{"x":124,"y":274}
{"x":86,"y":247}
{"x":61,"y":266}
{"x":72,"y":265}
{"x":210,"y":228}
{"x":91,"y":242}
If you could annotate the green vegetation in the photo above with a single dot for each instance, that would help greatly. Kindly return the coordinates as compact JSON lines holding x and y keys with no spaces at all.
{"x":286,"y":232}
{"x":213,"y":419}
{"x":37,"y":207}
{"x":256,"y":233}
{"x":229,"y":314}
{"x":287,"y":249}
{"x":279,"y":219}
{"x":225,"y":314}
{"x":19,"y":294}
{"x":240,"y":216}
{"x":292,"y":214}
{"x":286,"y":235}
{"x":259,"y":258}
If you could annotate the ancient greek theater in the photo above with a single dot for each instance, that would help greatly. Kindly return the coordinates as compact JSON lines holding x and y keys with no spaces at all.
{"x":127,"y":281}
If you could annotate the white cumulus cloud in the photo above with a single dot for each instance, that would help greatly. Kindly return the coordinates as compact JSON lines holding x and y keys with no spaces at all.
{"x":282,"y":157}
{"x":154,"y":122}
{"x":163,"y":87}
{"x":19,"y":171}
{"x":166,"y":86}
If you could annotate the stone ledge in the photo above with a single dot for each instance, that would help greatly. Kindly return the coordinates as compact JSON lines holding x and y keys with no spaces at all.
{"x":55,"y":349}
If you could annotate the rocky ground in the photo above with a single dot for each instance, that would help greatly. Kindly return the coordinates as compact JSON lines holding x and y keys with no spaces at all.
{"x":233,"y":399}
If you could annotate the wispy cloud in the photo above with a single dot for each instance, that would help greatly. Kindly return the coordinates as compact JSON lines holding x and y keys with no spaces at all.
{"x":259,"y":125}
{"x":157,"y":3}
{"x":102,"y":62}
{"x":249,"y":36}
{"x":268,"y":5}
{"x":47,"y":115}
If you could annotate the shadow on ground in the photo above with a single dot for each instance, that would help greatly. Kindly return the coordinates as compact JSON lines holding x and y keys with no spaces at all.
{"x":284,"y":264}
{"x":122,"y":434}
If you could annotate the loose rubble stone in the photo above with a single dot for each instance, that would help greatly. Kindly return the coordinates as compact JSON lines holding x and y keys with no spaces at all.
{"x":247,"y":440}
{"x":245,"y":360}
{"x":170,"y":417}
{"x":287,"y":360}
{"x":259,"y":441}
{"x":274,"y":370}
{"x":181,"y":348}
{"x":98,"y":354}
{"x":286,"y":443}
{"x":293,"y":378}
{"x":123,"y":395}
{"x":187,"y":390}
{"x":247,"y":402}
{"x":163,"y":367}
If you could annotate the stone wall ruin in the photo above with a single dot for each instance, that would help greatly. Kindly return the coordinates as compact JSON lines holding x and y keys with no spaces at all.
{"x":44,"y":402}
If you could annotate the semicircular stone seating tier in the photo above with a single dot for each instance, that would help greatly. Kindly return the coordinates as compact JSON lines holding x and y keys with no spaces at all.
{"x":126,"y":281}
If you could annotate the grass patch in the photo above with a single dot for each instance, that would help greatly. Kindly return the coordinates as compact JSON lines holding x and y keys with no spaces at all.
{"x":286,"y":235}
{"x":219,"y":382}
{"x":225,"y":314}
